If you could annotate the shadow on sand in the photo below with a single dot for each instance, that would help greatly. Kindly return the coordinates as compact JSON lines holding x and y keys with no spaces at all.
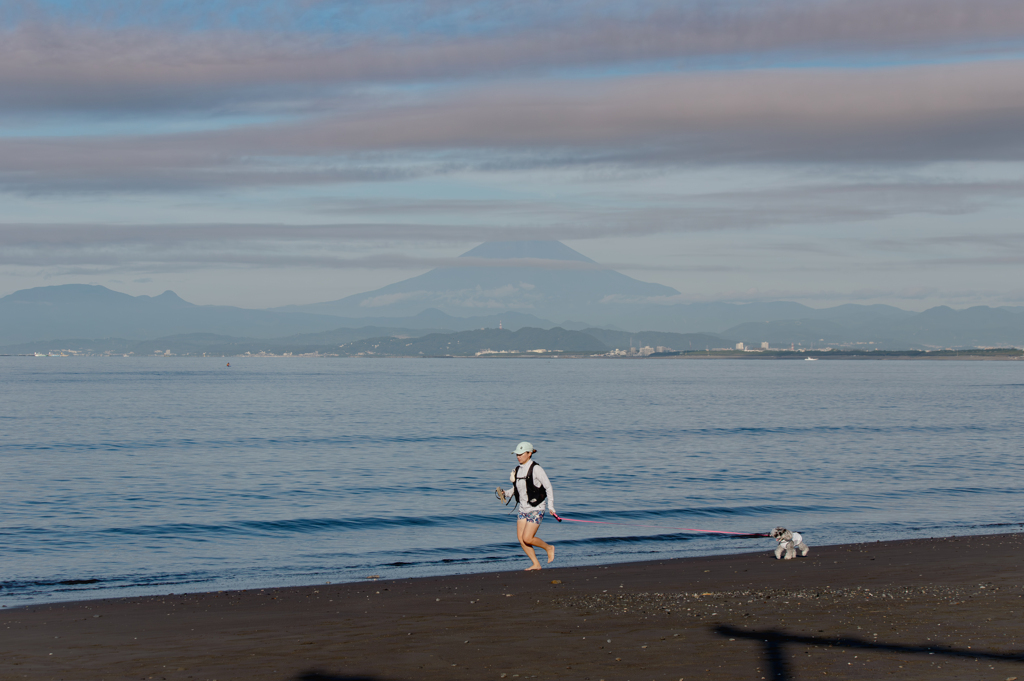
{"x":773,"y":642}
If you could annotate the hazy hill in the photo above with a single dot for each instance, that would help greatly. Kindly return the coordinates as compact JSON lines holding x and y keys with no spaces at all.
{"x":975,"y":326}
{"x":860,"y":315}
{"x":82,"y":311}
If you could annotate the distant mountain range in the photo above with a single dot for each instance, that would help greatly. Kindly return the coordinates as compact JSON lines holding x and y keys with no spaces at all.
{"x":529,"y":284}
{"x":81,"y":311}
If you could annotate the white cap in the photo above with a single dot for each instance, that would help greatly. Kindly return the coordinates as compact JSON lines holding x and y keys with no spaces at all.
{"x":523,"y":448}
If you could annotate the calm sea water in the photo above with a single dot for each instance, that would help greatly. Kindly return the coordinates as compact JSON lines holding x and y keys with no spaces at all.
{"x":156,"y":475}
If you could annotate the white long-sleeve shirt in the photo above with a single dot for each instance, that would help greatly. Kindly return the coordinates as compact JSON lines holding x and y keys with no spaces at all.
{"x":541,"y":479}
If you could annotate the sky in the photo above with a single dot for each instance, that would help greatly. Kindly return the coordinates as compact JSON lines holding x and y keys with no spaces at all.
{"x":296,"y":151}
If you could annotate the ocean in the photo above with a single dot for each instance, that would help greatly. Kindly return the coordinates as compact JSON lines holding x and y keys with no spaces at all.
{"x":130,"y":476}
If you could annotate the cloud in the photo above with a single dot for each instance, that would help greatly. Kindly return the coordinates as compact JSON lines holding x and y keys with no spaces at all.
{"x":834,"y":205}
{"x":277,"y":57}
{"x":922,"y":113}
{"x":942,"y":112}
{"x":1003,"y":242}
{"x":170,"y":248}
{"x":576,"y":112}
{"x":616,"y":211}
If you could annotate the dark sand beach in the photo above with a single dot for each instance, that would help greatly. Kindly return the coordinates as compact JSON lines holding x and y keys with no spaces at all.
{"x":950,"y":608}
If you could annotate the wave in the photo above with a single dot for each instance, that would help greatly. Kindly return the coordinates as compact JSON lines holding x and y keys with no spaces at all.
{"x":476,"y":438}
{"x":310,"y":526}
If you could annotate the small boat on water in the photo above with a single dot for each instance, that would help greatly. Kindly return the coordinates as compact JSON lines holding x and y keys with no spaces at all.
{"x":810,"y":359}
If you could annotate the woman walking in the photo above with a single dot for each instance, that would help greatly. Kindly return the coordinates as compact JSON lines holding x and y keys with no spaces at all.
{"x":532,"y":490}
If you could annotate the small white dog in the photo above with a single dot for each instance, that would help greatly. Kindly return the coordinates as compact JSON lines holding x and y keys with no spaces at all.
{"x":789,"y":543}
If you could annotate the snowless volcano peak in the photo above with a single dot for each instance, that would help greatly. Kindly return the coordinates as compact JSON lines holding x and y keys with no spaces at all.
{"x":578,"y":289}
{"x":539,"y":250}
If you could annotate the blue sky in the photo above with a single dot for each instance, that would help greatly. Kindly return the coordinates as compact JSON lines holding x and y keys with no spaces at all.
{"x":259,"y":154}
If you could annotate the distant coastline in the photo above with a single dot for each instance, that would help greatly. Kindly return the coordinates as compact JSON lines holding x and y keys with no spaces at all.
{"x":989,"y":354}
{"x":970,"y":354}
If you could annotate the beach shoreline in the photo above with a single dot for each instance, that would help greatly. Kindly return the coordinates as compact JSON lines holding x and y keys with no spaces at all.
{"x":945,"y":608}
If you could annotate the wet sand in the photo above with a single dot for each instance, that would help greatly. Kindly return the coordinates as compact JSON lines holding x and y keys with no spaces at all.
{"x":948,"y":608}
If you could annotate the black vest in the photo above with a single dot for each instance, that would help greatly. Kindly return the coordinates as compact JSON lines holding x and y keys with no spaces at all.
{"x":534,"y":493}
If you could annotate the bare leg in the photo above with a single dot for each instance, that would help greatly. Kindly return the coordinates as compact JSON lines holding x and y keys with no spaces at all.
{"x":527,"y":532}
{"x":537,"y":541}
{"x":522,"y":527}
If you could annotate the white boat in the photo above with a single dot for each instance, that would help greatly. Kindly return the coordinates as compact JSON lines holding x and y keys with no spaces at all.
{"x":810,"y":359}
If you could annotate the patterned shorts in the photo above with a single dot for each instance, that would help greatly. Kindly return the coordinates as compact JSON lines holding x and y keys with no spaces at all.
{"x":532,"y":516}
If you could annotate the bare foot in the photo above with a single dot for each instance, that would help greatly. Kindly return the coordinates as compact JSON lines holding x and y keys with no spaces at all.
{"x":551,"y":553}
{"x":535,"y":566}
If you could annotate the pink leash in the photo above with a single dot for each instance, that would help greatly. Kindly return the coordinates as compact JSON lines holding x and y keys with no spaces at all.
{"x":661,"y":527}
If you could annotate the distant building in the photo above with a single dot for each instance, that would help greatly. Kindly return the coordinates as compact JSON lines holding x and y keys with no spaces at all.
{"x":646,"y":351}
{"x":662,"y":348}
{"x":739,"y":346}
{"x":764,"y":345}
